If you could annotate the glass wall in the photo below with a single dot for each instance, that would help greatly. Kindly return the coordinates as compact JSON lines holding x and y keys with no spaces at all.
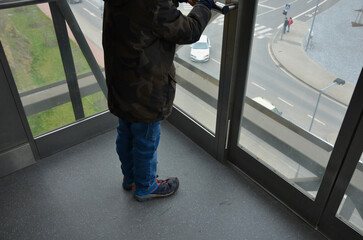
{"x":299,"y":86}
{"x":198,"y":69}
{"x":351,"y":207}
{"x":33,"y":53}
{"x":89,"y":14}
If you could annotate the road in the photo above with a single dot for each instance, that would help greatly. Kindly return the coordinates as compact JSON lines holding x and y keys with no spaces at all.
{"x":89,"y":16}
{"x":296,"y":100}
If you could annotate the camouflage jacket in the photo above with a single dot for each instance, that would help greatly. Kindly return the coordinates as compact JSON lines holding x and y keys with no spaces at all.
{"x":139,"y":40}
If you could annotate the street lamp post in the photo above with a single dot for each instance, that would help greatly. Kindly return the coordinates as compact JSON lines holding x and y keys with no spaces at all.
{"x":335,"y":82}
{"x":312,"y":24}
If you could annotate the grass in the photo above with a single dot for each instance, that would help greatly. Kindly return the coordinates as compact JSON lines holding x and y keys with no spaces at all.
{"x":45,"y":61}
{"x":63,"y":114}
{"x":32,"y":50}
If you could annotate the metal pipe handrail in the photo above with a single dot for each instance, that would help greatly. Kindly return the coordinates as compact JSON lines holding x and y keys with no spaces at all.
{"x":18,"y":3}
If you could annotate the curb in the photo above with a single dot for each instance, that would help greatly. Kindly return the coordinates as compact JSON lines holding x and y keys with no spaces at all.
{"x":289,"y":55}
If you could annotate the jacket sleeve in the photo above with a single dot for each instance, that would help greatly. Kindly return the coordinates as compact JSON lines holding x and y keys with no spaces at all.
{"x":170,"y":24}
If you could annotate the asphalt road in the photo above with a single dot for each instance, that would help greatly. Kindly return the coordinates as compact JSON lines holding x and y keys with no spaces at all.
{"x":296,"y":100}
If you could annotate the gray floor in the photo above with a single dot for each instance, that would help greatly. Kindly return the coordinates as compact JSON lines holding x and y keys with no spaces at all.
{"x":77,"y":194}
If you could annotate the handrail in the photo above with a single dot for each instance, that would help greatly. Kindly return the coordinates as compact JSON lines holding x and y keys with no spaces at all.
{"x":288,"y":124}
{"x":18,"y":3}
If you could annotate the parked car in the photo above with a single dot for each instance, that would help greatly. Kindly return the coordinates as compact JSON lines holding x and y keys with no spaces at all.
{"x":199,"y":51}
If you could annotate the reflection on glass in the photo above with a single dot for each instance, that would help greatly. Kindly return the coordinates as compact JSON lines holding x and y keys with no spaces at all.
{"x":50,"y":119}
{"x":299,"y":86}
{"x":350,"y":210}
{"x":31,"y":47}
{"x":94,"y":103}
{"x":198,"y":68}
{"x":89,"y":16}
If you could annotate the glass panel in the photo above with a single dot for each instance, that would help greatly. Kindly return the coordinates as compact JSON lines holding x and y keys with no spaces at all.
{"x":32,"y":50}
{"x":89,"y":16}
{"x":50,"y":119}
{"x":94,"y":103}
{"x":198,"y":69}
{"x":299,"y":86}
{"x":350,"y":210}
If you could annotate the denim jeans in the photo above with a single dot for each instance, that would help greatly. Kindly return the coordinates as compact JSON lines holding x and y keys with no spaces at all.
{"x":136,"y":146}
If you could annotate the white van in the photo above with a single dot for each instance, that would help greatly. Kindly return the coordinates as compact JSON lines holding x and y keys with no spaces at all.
{"x":267,"y":104}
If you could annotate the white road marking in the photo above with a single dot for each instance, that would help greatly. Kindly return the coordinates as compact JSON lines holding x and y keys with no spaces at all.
{"x":266,"y":6}
{"x":260,"y":32}
{"x":309,"y":1}
{"x":285,"y":101}
{"x":315,"y":119}
{"x":258,"y":86}
{"x":265,"y":30}
{"x":283,"y":6}
{"x":89,"y":12}
{"x":267,"y":35}
{"x":92,"y":4}
{"x":258,"y":28}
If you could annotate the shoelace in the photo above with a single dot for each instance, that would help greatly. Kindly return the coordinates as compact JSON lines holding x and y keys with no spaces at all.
{"x":158,"y":182}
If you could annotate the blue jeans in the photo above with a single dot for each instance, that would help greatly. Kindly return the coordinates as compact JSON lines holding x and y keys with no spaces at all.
{"x":136,"y":146}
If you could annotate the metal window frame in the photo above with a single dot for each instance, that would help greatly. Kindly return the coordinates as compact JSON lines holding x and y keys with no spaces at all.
{"x":61,"y":32}
{"x":214,"y":144}
{"x":342,"y":171}
{"x":86,"y":128}
{"x":308,"y":209}
{"x":236,"y":51}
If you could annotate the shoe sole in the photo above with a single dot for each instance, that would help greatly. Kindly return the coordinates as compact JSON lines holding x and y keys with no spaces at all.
{"x":151,"y":196}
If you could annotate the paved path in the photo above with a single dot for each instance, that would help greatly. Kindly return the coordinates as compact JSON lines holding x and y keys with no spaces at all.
{"x":320,"y":66}
{"x":290,"y":55}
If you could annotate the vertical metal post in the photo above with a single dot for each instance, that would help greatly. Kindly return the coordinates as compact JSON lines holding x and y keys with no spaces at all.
{"x":240,"y":64}
{"x":82,"y":42}
{"x":317,"y":103}
{"x":226,"y":84}
{"x":67,"y":59}
{"x":312,"y":24}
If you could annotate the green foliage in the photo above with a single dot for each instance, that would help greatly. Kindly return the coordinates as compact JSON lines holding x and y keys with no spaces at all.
{"x":94,"y":104}
{"x":63,"y":114}
{"x":51,"y":119}
{"x":31,"y":32}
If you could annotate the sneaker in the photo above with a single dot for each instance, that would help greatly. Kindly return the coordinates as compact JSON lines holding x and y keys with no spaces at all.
{"x":161,"y":188}
{"x":128,"y":186}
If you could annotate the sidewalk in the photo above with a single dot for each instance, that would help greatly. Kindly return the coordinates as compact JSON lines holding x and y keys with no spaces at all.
{"x":289,"y":53}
